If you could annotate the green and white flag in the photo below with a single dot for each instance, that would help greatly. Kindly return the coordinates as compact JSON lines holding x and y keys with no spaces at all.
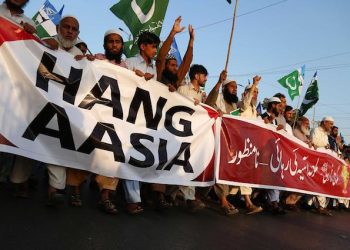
{"x":311,"y":96}
{"x":46,"y":20}
{"x":236,"y":112}
{"x":139,"y":16}
{"x":293,"y":82}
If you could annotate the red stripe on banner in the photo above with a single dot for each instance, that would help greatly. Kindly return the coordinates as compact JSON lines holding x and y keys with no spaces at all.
{"x":4,"y":141}
{"x":10,"y":31}
{"x":255,"y":155}
{"x":208,"y":174}
{"x":211,"y":112}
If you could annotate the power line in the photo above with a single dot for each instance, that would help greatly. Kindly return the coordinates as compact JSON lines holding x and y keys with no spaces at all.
{"x":244,"y":14}
{"x":307,"y":61}
{"x":318,"y":68}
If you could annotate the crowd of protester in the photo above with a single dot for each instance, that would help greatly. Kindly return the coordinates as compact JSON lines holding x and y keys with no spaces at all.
{"x":66,"y":183}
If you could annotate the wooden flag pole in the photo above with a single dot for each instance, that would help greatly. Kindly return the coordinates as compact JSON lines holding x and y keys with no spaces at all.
{"x":296,"y":115}
{"x":232,"y":30}
{"x":302,"y":72}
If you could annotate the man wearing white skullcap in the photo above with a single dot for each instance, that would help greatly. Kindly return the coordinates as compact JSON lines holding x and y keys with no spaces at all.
{"x":67,"y":37}
{"x":319,"y":137}
{"x":272,"y":111}
{"x":226,"y":101}
{"x":113,"y":44}
{"x":249,"y":99}
{"x":80,"y":44}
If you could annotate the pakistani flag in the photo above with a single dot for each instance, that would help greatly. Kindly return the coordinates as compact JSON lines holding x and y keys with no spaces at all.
{"x":311,"y":96}
{"x":293,"y":82}
{"x":46,"y":20}
{"x":235,"y":112}
{"x":139,"y":16}
{"x":229,"y":1}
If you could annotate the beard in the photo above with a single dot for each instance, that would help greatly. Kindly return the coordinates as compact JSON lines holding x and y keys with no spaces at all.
{"x":228,"y":97}
{"x":117,"y":57}
{"x":306,"y":131}
{"x":275,"y":112}
{"x":13,"y":6}
{"x":66,"y":44}
{"x":169,"y":77}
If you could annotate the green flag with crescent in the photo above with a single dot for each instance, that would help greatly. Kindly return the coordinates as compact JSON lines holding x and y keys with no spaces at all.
{"x":293,"y":82}
{"x":139,"y":16}
{"x":311,"y":96}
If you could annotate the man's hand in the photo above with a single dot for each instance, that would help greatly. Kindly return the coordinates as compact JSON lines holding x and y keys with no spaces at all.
{"x":223,"y":76}
{"x":256,"y":79}
{"x":139,"y":73}
{"x":280,"y":127}
{"x":51,"y":43}
{"x":29,"y":28}
{"x":79,"y":57}
{"x":90,"y":57}
{"x":220,"y":112}
{"x":191,"y":32}
{"x":196,"y":101}
{"x":171,"y":88}
{"x":338,"y":140}
{"x":148,"y":76}
{"x":177,"y":25}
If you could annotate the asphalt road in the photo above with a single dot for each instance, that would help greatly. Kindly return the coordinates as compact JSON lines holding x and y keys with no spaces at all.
{"x":29,"y":224}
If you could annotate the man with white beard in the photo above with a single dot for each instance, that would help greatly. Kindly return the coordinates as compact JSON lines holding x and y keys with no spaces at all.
{"x":67,"y":34}
{"x":319,"y":138}
{"x":302,"y":132}
{"x":248,"y":110}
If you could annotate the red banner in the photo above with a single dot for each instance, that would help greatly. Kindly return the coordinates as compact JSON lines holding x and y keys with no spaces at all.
{"x":256,"y":155}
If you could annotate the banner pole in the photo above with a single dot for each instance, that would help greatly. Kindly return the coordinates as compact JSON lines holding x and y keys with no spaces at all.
{"x":232,"y":30}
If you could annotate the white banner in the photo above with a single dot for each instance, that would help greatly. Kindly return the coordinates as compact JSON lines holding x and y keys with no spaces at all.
{"x":100,"y":117}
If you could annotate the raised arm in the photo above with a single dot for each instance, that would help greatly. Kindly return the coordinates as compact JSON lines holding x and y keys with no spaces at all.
{"x":213,"y":95}
{"x":186,"y":62}
{"x":248,"y":97}
{"x":160,"y":61}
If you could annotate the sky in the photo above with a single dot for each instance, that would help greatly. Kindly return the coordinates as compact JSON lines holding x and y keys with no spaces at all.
{"x":272,"y":38}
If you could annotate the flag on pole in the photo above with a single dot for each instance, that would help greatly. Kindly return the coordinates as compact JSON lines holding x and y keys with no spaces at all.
{"x":259,"y":108}
{"x":140,"y":16}
{"x":174,"y":52}
{"x":311,"y":96}
{"x":46,"y":20}
{"x":293,"y":82}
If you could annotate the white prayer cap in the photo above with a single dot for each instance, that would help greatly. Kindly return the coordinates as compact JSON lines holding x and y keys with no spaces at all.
{"x":71,"y":16}
{"x":274,"y":99}
{"x":227,"y":81}
{"x":328,"y":118}
{"x":113,"y":31}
